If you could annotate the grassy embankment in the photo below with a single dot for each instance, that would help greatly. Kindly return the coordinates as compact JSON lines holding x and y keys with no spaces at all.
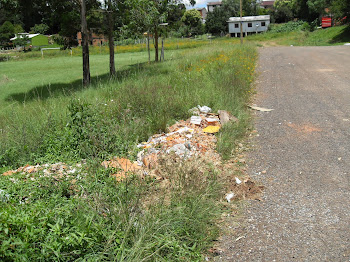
{"x":287,"y":34}
{"x":95,"y":217}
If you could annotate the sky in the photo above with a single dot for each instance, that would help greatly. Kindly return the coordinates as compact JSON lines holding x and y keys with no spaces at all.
{"x":199,"y":3}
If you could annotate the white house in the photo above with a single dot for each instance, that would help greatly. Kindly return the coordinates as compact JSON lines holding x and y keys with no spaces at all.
{"x":250,"y":25}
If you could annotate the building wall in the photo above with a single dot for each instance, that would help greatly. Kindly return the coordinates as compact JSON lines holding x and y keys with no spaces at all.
{"x":212,"y":7}
{"x":246,"y":29}
{"x":94,"y":39}
{"x":203,"y":12}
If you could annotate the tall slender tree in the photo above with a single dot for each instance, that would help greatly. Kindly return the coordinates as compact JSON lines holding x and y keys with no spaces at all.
{"x":112,"y":71}
{"x":85,"y":44}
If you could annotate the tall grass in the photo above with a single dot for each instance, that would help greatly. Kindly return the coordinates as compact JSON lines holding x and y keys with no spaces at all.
{"x":130,"y":109}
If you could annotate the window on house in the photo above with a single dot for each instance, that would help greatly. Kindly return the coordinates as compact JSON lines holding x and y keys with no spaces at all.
{"x":250,"y":25}
{"x":263,"y":24}
{"x":236,"y":25}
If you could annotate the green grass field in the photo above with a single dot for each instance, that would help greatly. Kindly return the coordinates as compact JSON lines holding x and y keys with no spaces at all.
{"x":41,"y":78}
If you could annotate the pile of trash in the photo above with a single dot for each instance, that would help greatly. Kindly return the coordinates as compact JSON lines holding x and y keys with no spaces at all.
{"x":193,"y":137}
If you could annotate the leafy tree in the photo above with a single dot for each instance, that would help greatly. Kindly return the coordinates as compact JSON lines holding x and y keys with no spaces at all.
{"x":7,"y":30}
{"x":22,"y":41}
{"x":193,"y":20}
{"x":318,"y":6}
{"x":40,"y":28}
{"x":175,"y":13}
{"x":283,"y":10}
{"x":341,"y":9}
{"x":148,"y":15}
{"x":18,"y":28}
{"x":144,"y":17}
{"x":216,"y":21}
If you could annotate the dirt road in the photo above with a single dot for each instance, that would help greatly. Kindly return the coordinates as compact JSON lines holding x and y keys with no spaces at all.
{"x":304,"y":145}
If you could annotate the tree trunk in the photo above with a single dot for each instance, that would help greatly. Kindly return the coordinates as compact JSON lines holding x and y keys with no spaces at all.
{"x":110,"y":40}
{"x":85,"y":45}
{"x":148,"y":49}
{"x":156,"y":43}
{"x":162,"y":52}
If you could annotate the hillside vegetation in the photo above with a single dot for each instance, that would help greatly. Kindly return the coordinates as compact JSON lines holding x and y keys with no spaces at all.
{"x":298,"y":34}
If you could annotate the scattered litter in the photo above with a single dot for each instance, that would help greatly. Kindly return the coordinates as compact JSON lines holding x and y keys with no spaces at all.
{"x":239,"y":238}
{"x":58,"y":171}
{"x":263,"y":172}
{"x":211,"y":129}
{"x":196,"y":120}
{"x":339,"y":158}
{"x":4,"y":197}
{"x":213,"y":121}
{"x":347,"y":44}
{"x":194,"y":111}
{"x":53,"y":169}
{"x":262,"y":109}
{"x":204,"y":109}
{"x":229,"y":196}
{"x":238,"y":181}
{"x":346,"y":120}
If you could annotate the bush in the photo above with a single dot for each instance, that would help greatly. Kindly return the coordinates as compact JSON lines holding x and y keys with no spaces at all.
{"x":287,"y":27}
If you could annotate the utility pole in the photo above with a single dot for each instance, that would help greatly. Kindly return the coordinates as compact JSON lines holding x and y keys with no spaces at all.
{"x":85,"y":44}
{"x":241,"y":24}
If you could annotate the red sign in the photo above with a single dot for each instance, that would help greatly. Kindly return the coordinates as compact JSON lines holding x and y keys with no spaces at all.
{"x":326,"y":22}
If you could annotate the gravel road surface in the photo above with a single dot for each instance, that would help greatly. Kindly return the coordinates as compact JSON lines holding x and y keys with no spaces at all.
{"x":304,"y":145}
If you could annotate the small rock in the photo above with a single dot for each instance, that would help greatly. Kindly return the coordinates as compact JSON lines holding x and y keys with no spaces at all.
{"x":224,"y":116}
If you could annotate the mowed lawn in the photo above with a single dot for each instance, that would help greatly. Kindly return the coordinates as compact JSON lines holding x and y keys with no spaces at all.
{"x":30,"y":79}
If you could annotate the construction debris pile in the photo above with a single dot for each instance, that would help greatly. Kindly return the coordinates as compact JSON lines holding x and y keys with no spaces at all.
{"x":185,"y":139}
{"x":193,"y":137}
{"x":57,"y":170}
